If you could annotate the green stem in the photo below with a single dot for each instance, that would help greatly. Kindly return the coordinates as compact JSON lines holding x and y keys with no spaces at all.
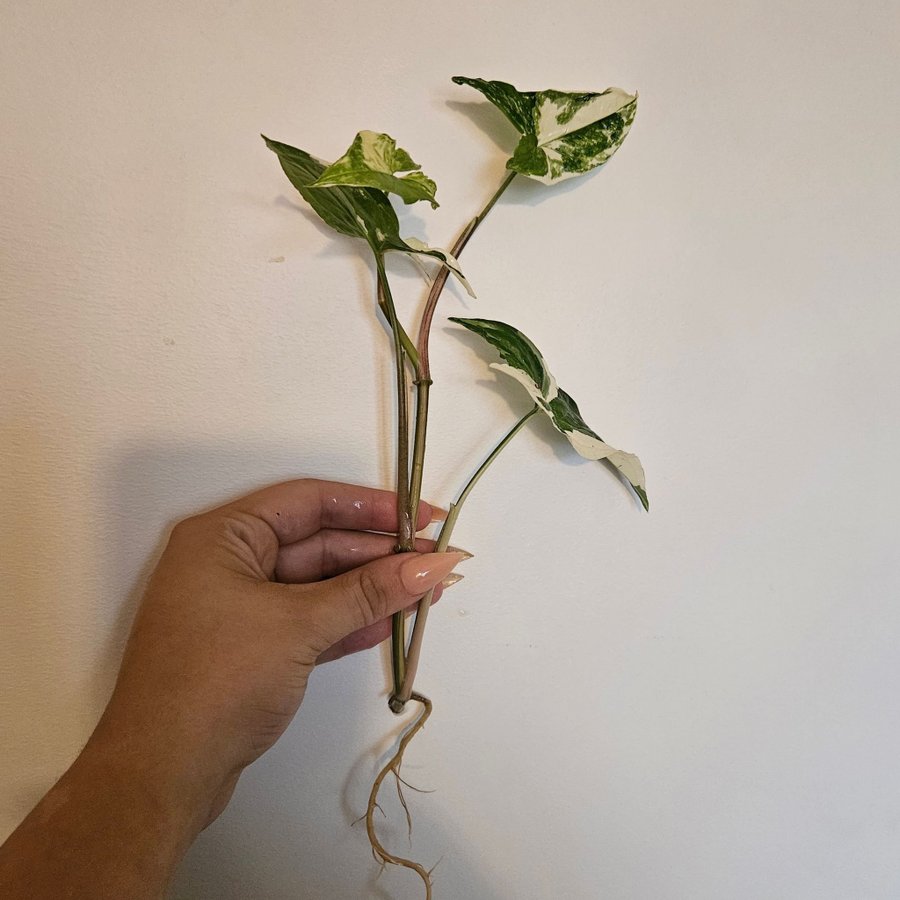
{"x":409,"y":348}
{"x":418,"y":462}
{"x":405,"y":524}
{"x":419,"y":358}
{"x":423,"y":366}
{"x":414,"y":651}
{"x":441,"y":278}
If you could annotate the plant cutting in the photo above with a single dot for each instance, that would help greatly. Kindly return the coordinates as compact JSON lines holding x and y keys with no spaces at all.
{"x":561,"y":135}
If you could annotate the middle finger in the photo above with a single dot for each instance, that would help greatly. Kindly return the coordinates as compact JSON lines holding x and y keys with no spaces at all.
{"x":333,"y":551}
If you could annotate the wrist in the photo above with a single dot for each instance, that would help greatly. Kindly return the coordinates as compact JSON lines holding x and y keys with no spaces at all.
{"x":116,"y":824}
{"x":163,"y":769}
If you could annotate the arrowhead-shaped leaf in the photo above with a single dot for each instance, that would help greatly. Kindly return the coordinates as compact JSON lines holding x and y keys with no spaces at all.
{"x":372,"y":161}
{"x":563,"y":134}
{"x":358,"y":212}
{"x":525,"y":363}
{"x":363,"y":212}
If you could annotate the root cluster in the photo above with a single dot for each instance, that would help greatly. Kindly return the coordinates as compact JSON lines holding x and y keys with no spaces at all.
{"x":393,"y":766}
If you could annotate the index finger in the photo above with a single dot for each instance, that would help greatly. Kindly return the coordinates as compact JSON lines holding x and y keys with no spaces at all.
{"x":294,"y":510}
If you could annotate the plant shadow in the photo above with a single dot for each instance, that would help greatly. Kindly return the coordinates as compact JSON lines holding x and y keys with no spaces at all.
{"x":489,"y":121}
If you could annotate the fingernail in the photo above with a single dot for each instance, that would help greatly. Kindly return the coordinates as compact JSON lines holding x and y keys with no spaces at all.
{"x":437,"y":514}
{"x":451,"y":579}
{"x":465,"y":553}
{"x":421,"y":573}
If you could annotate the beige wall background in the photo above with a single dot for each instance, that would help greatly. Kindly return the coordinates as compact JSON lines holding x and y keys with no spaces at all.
{"x":698,"y":703}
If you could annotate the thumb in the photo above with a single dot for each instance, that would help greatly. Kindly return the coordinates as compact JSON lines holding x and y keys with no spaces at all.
{"x":370,"y":593}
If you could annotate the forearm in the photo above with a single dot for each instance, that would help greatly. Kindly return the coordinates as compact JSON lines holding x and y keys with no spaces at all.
{"x":115,"y":825}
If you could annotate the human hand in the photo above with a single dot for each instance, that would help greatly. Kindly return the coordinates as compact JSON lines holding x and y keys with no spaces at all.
{"x":245,"y":601}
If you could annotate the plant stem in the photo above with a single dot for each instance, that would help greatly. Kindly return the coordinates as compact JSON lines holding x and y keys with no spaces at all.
{"x":391,"y":314}
{"x":422,"y":362}
{"x":418,"y":462}
{"x":419,"y":359}
{"x":405,"y":523}
{"x":441,"y":278}
{"x":443,"y":541}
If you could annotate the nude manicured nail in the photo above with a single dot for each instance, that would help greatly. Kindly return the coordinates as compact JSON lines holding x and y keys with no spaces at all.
{"x":451,"y":579}
{"x":465,"y":553}
{"x":421,"y":573}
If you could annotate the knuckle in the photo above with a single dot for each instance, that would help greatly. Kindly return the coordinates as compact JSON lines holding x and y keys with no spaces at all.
{"x":371,"y":597}
{"x":238,"y":523}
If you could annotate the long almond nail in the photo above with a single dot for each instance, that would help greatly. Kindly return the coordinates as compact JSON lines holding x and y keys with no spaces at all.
{"x":465,"y":553}
{"x":451,"y":579}
{"x":422,"y":572}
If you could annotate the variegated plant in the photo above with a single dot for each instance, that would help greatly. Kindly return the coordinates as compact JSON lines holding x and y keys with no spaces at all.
{"x":562,"y":135}
{"x":525,"y":364}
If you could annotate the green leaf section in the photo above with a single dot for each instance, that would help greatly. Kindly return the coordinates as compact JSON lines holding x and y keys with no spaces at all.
{"x":358,"y":212}
{"x":517,"y":106}
{"x":372,"y":162}
{"x":363,"y":212}
{"x":526,"y":364}
{"x":563,"y":134}
{"x":516,"y":349}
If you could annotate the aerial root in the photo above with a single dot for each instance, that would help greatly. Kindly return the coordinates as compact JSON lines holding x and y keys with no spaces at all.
{"x":357,"y":821}
{"x":393,"y":765}
{"x":412,"y":787}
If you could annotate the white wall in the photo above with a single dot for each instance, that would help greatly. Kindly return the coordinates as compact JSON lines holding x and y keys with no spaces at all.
{"x":698,"y":703}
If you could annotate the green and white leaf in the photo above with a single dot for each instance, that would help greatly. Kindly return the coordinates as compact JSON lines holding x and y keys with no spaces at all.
{"x":587,"y":443}
{"x":524,"y":363}
{"x":361,"y":212}
{"x":563,"y":133}
{"x":516,"y":105}
{"x":519,"y":352}
{"x":358,"y":212}
{"x":373,"y":161}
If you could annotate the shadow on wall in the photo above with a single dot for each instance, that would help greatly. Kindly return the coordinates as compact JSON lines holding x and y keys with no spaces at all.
{"x":145,"y":489}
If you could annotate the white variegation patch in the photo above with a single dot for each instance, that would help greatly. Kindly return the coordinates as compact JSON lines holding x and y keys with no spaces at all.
{"x":379,"y":152}
{"x":550,"y":112}
{"x":525,"y":380}
{"x":375,"y":161}
{"x":426,"y":273}
{"x":591,"y":448}
{"x":553,"y":135}
{"x":444,"y":256}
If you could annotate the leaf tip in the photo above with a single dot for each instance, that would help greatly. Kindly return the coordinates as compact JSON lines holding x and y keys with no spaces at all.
{"x":642,"y":495}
